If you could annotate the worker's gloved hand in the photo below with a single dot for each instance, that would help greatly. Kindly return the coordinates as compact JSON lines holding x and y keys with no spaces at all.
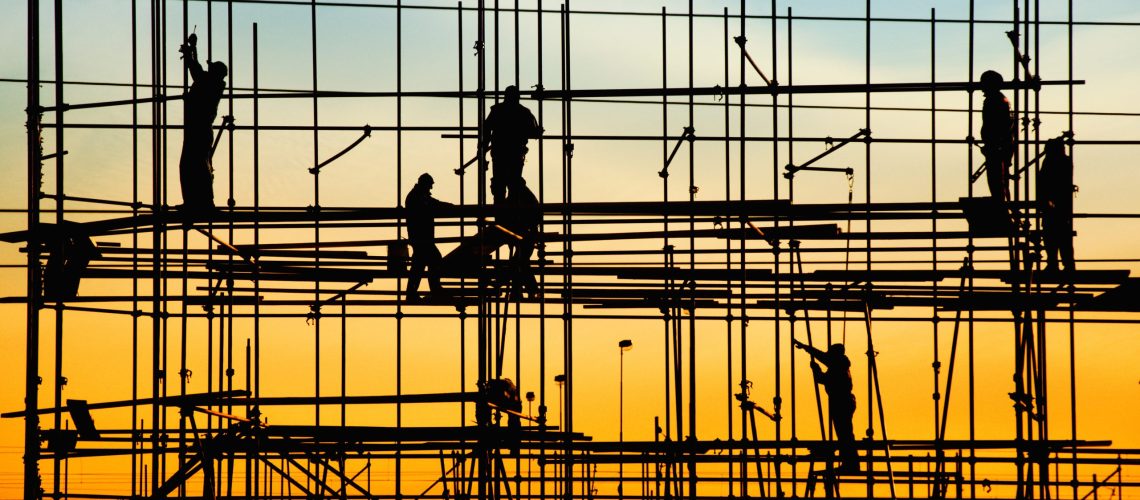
{"x":190,"y":47}
{"x":798,"y":344}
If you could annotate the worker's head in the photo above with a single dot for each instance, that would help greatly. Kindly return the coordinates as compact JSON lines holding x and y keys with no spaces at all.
{"x":511,"y":94}
{"x":836,"y":350}
{"x":990,"y":80}
{"x":218,"y":70}
{"x":426,"y":181}
{"x":1055,"y":146}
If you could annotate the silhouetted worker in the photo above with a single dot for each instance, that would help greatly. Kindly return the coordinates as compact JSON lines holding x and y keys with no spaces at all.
{"x":502,"y":394}
{"x":998,"y":135}
{"x":71,"y":250}
{"x":200,"y":107}
{"x":840,"y":400}
{"x":508,"y":127}
{"x":522,"y":217}
{"x":421,"y":209}
{"x":1055,"y":202}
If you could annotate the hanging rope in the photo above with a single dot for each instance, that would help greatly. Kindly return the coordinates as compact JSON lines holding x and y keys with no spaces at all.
{"x":847,"y":250}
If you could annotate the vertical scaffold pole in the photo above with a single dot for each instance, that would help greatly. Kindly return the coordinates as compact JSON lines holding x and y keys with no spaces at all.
{"x":970,"y":242}
{"x":135,"y":455}
{"x":743,"y":255}
{"x":692,"y":266}
{"x":867,"y":198}
{"x":568,"y":297}
{"x":32,"y":355}
{"x":60,"y":196}
{"x":399,"y":354}
{"x":542,"y":263}
{"x":482,"y":488}
{"x":728,"y":257}
{"x":1072,"y":325}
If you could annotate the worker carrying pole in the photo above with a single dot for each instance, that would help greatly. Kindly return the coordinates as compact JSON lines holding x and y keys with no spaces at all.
{"x":509,"y":126}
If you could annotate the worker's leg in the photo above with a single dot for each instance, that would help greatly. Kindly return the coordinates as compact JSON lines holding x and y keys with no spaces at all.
{"x":523,"y":275}
{"x":195,"y":173}
{"x":996,"y":165}
{"x":498,"y":177}
{"x":433,"y":259}
{"x":186,"y":176}
{"x":416,"y":272}
{"x":1065,"y":242}
{"x":842,"y":415}
{"x":505,"y":172}
{"x":1050,"y":237}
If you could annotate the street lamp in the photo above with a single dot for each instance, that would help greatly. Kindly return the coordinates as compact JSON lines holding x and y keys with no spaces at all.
{"x":530,"y":413}
{"x":560,"y":379}
{"x":623,"y":346}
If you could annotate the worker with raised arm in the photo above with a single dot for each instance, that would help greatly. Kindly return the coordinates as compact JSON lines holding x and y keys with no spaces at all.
{"x":507,"y":129}
{"x":421,"y":211}
{"x":200,"y":108}
{"x":840,"y":398}
{"x":999,"y":134}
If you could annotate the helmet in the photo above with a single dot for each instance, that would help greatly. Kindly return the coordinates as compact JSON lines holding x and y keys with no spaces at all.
{"x":426,"y":179}
{"x":219,"y":68}
{"x":511,"y":93}
{"x":991,"y":80}
{"x":837,"y":350}
{"x":1055,"y":145}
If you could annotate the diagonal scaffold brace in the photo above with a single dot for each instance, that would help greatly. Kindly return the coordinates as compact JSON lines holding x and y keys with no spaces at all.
{"x":740,"y":41}
{"x":806,"y":166}
{"x":687,"y":134}
{"x":366,"y":134}
{"x":1022,"y":59}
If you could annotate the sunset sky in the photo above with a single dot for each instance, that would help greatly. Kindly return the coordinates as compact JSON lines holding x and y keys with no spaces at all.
{"x":356,"y":50}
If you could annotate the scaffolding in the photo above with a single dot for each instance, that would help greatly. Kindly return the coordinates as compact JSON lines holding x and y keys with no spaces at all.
{"x":730,"y":265}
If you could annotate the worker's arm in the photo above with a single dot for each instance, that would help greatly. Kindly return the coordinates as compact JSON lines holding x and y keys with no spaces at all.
{"x":535,"y":130}
{"x":189,"y":52}
{"x":813,"y":352}
{"x":437,"y":204}
{"x":816,"y":372}
{"x":488,"y":126}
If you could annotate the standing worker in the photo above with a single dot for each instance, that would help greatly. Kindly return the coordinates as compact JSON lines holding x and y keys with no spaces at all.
{"x":998,"y":135}
{"x":840,"y":400}
{"x":421,"y":211}
{"x":508,"y":127}
{"x":200,"y":107}
{"x":1055,"y":204}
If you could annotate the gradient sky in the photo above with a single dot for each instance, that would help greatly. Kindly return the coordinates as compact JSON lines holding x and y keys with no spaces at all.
{"x":356,"y":50}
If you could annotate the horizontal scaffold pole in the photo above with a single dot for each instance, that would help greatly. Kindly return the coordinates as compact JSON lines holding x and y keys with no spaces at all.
{"x":852,"y":88}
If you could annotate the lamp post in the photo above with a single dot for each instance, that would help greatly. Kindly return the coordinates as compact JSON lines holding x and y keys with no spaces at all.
{"x":529,"y":413}
{"x":623,"y":346}
{"x":559,"y":379}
